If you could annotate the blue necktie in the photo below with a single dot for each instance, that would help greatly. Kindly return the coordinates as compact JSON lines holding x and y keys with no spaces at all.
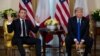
{"x":78,"y":30}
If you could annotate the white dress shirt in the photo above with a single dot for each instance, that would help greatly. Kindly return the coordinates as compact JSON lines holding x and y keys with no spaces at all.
{"x":22,"y":28}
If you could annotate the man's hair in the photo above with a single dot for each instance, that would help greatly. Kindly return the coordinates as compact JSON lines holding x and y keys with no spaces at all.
{"x":22,"y":9}
{"x":78,"y":8}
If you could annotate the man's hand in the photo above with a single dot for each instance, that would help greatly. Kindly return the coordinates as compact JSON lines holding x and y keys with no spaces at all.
{"x":77,"y":45}
{"x":37,"y":19}
{"x":81,"y":43}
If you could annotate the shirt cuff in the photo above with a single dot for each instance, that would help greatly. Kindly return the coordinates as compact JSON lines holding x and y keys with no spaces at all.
{"x":75,"y":40}
{"x":38,"y":24}
{"x":82,"y":40}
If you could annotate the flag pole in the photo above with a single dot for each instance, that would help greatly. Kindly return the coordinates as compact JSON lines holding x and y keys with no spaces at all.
{"x":52,"y":8}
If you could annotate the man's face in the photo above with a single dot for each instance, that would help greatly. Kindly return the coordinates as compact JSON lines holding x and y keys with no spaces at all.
{"x":22,"y":14}
{"x":79,"y":13}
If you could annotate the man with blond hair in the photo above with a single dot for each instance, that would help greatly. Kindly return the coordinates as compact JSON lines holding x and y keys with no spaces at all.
{"x":78,"y":32}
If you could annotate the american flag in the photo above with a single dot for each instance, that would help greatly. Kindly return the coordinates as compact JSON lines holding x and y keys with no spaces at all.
{"x":62,"y":13}
{"x":27,"y":4}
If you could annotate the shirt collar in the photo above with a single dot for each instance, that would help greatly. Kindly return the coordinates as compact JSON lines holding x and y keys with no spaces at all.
{"x":22,"y":19}
{"x":78,"y":19}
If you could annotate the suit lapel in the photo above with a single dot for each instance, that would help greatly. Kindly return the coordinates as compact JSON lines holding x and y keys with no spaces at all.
{"x":82,"y":24}
{"x":75,"y":24}
{"x":19,"y":25}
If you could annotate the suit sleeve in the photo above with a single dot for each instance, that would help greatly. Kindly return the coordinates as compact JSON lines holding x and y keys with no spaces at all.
{"x":10,"y":27}
{"x":34,"y":29}
{"x":70,"y":29}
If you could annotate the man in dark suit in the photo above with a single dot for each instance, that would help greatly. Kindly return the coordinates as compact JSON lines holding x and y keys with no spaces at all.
{"x":21,"y":28}
{"x":78,"y":32}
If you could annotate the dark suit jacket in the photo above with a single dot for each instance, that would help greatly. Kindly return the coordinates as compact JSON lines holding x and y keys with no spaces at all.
{"x":72,"y":28}
{"x":16,"y":27}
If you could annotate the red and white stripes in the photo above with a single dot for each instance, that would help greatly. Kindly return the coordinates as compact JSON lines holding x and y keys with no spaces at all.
{"x":62,"y":13}
{"x":28,"y":7}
